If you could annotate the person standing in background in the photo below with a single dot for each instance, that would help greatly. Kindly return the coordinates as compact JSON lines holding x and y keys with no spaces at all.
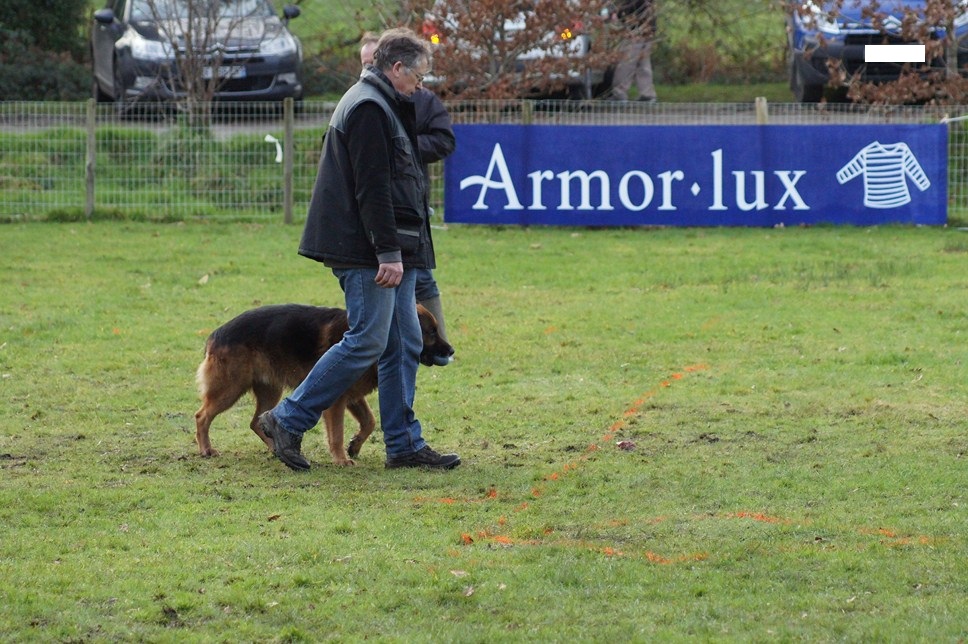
{"x":436,"y":140}
{"x":638,"y":18}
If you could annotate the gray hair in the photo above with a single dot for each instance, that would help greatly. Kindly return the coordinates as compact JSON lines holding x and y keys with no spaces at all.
{"x":400,"y":44}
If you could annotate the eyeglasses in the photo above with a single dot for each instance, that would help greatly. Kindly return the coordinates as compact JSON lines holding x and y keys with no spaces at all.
{"x":419,"y":77}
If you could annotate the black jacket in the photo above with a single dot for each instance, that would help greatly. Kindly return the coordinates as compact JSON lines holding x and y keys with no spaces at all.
{"x":435,"y":133}
{"x":369,"y":202}
{"x":639,"y":15}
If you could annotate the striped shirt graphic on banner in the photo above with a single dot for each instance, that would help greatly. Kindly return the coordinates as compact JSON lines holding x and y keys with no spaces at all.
{"x":885,"y":169}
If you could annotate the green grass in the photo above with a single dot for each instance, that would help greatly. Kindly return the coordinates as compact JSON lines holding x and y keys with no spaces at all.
{"x":796,"y":400}
{"x":778,"y":92}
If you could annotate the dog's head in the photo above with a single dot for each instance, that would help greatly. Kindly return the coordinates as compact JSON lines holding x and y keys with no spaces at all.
{"x":436,"y":350}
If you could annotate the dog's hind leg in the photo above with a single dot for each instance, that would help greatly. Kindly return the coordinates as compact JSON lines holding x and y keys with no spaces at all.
{"x":364,"y":416}
{"x":212,"y":406}
{"x":203,"y":421}
{"x":214,"y":402}
{"x":333,"y":418}
{"x":218,"y":393}
{"x":266,"y":398}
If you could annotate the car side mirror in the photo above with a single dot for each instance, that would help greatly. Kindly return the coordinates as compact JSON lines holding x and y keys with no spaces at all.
{"x":104,"y":16}
{"x":290,"y":11}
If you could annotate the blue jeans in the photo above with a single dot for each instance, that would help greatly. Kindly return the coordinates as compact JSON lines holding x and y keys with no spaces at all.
{"x":383,"y":329}
{"x":426,"y":286}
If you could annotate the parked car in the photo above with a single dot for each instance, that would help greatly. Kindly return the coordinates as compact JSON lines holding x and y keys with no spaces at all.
{"x":568,"y":42}
{"x":141,"y":51}
{"x":822,"y":32}
{"x":516,"y":51}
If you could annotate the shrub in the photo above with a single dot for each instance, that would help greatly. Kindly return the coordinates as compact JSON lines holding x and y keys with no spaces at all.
{"x":28,"y":73}
{"x":53,"y":25}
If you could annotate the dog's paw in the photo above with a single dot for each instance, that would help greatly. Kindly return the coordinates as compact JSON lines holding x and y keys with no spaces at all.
{"x":208,"y":452}
{"x":355,"y":446}
{"x":343,"y":462}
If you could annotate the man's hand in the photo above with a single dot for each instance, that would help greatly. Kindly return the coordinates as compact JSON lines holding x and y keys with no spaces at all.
{"x":389,"y":275}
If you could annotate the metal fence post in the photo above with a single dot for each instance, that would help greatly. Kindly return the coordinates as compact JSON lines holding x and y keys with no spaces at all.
{"x":287,"y":159}
{"x":762,"y":113}
{"x":527,"y":112}
{"x":89,"y":160}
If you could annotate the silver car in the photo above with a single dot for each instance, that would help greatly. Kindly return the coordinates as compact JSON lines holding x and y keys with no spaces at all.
{"x":235,"y":50}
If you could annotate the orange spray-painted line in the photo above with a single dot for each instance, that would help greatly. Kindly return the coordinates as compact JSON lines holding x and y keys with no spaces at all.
{"x":568,"y":468}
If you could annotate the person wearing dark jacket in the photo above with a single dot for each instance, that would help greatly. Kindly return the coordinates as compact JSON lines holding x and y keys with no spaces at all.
{"x":368,"y":223}
{"x":436,"y":140}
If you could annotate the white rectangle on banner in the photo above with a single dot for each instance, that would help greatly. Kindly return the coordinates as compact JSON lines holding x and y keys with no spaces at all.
{"x":894,"y":53}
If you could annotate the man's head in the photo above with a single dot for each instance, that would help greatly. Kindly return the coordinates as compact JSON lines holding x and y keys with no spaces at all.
{"x":404,"y":57}
{"x":367,"y":47}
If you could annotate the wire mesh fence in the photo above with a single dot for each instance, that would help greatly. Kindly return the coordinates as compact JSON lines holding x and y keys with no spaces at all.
{"x":257,"y":161}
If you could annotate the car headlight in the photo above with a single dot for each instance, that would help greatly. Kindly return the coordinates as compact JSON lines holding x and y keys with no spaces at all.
{"x":279,"y":45}
{"x":153,"y":50}
{"x":961,"y":13}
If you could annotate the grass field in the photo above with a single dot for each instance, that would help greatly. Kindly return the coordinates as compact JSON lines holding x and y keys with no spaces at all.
{"x":676,"y":435}
{"x":778,"y":92}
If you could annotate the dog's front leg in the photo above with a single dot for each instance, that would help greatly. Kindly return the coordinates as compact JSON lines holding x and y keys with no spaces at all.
{"x":364,"y":416}
{"x":254,"y":426}
{"x":333,"y":417}
{"x":267,"y":396}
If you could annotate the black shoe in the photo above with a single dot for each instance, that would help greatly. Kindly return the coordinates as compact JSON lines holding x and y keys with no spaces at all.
{"x":425,"y":458}
{"x":285,"y":445}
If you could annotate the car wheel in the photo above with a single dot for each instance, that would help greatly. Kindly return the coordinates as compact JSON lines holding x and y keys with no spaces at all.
{"x":804,"y":92}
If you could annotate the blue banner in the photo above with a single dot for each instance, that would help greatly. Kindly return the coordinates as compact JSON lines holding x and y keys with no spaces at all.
{"x":732,"y":175}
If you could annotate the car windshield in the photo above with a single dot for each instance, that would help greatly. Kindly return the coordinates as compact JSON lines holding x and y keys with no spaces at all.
{"x":180,"y":9}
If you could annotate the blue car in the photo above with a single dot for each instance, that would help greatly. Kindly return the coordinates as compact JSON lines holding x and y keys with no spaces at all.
{"x":821,"y":34}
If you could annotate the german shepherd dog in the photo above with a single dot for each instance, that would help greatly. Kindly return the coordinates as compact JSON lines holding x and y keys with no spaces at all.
{"x":272,"y":348}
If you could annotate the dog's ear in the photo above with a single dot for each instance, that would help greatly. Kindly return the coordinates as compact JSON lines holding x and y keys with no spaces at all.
{"x":424,"y":314}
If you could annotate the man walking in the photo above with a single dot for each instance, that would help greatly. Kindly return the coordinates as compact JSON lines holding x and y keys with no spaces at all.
{"x":368,"y":222}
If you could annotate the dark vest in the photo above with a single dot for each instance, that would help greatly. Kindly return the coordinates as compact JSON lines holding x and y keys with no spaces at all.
{"x":334,"y":232}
